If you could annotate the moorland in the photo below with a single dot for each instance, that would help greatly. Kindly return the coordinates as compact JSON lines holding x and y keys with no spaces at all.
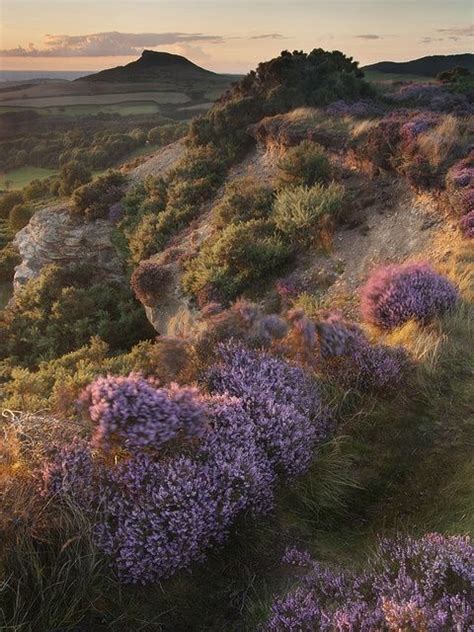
{"x":236,"y":367}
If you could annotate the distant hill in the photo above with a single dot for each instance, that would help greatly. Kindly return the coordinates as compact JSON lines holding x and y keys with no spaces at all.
{"x":153,"y":66}
{"x":425,"y":66}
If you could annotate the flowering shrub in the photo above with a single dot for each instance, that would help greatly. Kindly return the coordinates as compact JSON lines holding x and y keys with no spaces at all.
{"x":347,"y":357}
{"x":467,"y":225}
{"x":433,"y":96}
{"x":417,"y":125}
{"x":284,"y":404}
{"x":149,"y":281}
{"x":364,"y":108}
{"x":133,"y":411}
{"x":157,"y":513}
{"x":395,"y":294}
{"x":413,"y":584}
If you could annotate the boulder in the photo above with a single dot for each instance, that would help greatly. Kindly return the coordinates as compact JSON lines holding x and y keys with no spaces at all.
{"x":54,"y":236}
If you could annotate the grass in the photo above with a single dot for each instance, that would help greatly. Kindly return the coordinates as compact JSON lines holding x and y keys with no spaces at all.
{"x":376,"y":76}
{"x":78,"y":111}
{"x":19,"y":178}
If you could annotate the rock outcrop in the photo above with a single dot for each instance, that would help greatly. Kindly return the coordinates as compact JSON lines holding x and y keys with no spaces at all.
{"x":53,"y":236}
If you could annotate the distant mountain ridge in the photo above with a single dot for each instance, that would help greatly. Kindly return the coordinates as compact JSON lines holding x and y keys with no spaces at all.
{"x":428,"y":66}
{"x":152,"y":66}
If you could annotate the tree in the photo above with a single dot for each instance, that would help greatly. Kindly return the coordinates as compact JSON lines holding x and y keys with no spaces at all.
{"x":72,"y":175}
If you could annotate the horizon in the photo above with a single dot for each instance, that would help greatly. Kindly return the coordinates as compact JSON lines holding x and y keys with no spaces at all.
{"x":56,"y":35}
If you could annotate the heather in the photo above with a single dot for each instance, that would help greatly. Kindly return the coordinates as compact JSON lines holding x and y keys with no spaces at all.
{"x":413,"y":584}
{"x":395,"y":294}
{"x":288,"y":393}
{"x":259,"y":424}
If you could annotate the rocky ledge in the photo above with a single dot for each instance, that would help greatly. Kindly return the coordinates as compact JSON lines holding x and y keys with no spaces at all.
{"x":53,"y":236}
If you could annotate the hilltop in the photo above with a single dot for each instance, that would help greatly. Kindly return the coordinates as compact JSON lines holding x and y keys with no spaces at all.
{"x":428,"y":66}
{"x":152,"y":66}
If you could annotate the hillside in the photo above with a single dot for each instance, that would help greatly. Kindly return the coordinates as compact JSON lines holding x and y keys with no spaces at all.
{"x":152,"y":66}
{"x":254,"y":346}
{"x":428,"y":66}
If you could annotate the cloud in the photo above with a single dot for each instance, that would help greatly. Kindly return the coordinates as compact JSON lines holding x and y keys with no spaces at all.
{"x":430,"y":40}
{"x":273,"y":36}
{"x":459,"y":31}
{"x":369,"y":36}
{"x":106,"y":44}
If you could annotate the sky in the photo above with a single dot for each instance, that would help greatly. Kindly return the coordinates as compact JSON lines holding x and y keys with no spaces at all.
{"x":226,"y":35}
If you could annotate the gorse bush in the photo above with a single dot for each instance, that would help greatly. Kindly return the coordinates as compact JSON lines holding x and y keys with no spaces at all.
{"x":236,"y":258}
{"x":93,"y":200}
{"x":302,"y":213}
{"x":306,"y":164}
{"x":19,"y":217}
{"x":60,"y":310}
{"x":244,"y":199}
{"x":289,"y":81}
{"x":412,"y":584}
{"x":397,"y":293}
{"x":155,"y":515}
{"x":150,"y":281}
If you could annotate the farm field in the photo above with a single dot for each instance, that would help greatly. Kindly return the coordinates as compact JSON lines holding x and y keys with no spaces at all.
{"x":391,"y":77}
{"x":125,"y":108}
{"x":98,"y":99}
{"x":19,"y":178}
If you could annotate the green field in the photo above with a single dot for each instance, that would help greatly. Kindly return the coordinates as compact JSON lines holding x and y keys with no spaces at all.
{"x":19,"y":178}
{"x":374,"y":75}
{"x":127,"y":108}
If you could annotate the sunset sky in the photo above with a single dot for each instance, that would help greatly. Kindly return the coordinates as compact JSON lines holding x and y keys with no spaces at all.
{"x":225,"y":35}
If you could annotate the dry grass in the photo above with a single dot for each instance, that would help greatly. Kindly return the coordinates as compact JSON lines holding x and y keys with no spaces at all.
{"x":438,"y":144}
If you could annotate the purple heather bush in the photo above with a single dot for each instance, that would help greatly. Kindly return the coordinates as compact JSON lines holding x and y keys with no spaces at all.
{"x":395,"y":294}
{"x":467,"y":225}
{"x":280,"y":399}
{"x":135,"y":413}
{"x":420,"y":123}
{"x":432,"y":96}
{"x":424,"y":584}
{"x":150,"y":281}
{"x":157,"y":511}
{"x":347,"y":357}
{"x":364,"y":108}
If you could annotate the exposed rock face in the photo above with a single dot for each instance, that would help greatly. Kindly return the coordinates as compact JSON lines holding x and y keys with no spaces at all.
{"x":54,"y":236}
{"x":171,"y":314}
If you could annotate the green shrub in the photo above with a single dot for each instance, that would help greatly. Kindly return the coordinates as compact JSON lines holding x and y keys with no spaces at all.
{"x":60,"y":310}
{"x":305,"y":164}
{"x":302,"y":213}
{"x":73,"y":174}
{"x":19,"y":217}
{"x":94,"y":199}
{"x":8,"y":201}
{"x":236,"y":258}
{"x":144,"y":240}
{"x":244,"y":199}
{"x":37,"y":189}
{"x":9,"y":258}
